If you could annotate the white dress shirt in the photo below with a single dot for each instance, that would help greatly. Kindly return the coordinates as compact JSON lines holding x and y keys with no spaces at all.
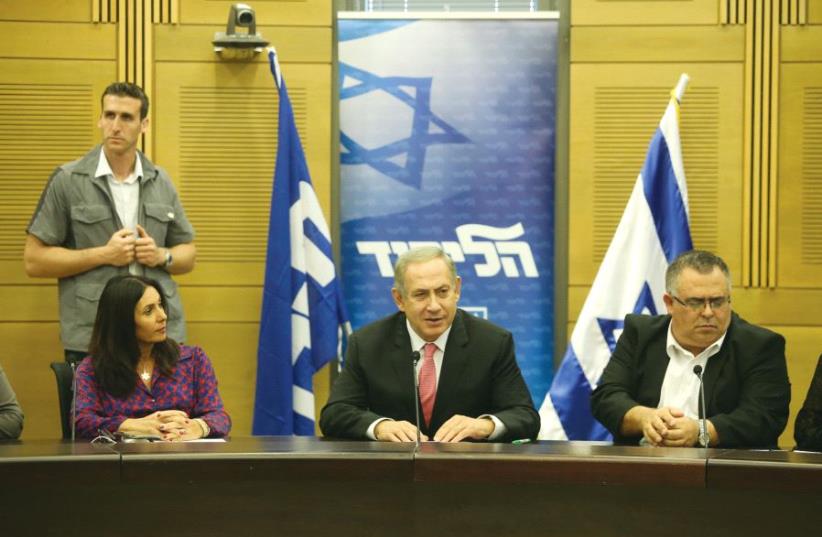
{"x":680,"y":387}
{"x":126,"y":196}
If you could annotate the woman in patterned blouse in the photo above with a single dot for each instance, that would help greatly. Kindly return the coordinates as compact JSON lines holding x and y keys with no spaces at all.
{"x":137,"y":380}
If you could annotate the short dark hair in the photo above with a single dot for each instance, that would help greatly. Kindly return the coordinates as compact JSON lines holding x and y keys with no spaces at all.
{"x":127,"y":89}
{"x":701,"y":261}
{"x":114,"y":348}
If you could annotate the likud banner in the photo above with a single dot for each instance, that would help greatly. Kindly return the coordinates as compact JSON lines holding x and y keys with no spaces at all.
{"x":447,"y":138}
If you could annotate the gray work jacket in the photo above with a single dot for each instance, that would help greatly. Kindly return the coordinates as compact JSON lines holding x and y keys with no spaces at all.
{"x":76,"y":211}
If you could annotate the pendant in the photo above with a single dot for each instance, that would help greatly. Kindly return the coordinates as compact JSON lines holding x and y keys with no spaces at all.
{"x":146,"y":376}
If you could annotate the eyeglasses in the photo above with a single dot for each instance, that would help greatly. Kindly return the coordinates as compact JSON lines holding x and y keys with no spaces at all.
{"x":698,"y":304}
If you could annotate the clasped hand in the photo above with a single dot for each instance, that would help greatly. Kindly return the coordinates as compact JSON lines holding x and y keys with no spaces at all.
{"x":456,"y":429}
{"x":669,"y":427}
{"x":171,"y":425}
{"x":124,"y":248}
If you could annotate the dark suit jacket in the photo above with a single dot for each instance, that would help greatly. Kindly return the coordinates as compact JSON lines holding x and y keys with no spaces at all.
{"x":746,"y":383}
{"x":808,"y":428}
{"x":479,"y":376}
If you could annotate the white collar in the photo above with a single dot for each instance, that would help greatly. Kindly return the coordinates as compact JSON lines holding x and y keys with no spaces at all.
{"x":104,"y":168}
{"x":710,"y":350}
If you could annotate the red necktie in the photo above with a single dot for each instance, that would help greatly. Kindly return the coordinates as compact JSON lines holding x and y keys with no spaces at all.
{"x":428,"y":382}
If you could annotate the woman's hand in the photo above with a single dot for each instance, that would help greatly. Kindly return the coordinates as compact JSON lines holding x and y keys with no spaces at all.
{"x":168,"y":424}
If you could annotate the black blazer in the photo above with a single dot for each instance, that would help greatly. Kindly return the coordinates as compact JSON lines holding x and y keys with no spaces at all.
{"x":479,"y":376}
{"x":747,"y":392}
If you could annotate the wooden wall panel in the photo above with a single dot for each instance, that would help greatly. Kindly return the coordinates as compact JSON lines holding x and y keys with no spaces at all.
{"x":801,"y":43}
{"x":800,"y":176}
{"x":284,"y":12}
{"x":615,"y":110}
{"x":67,"y":40}
{"x":218,"y":123}
{"x":46,"y":10}
{"x":814,"y":11}
{"x":646,"y":12}
{"x":294,"y":44}
{"x":658,"y":44}
{"x":28,"y":349}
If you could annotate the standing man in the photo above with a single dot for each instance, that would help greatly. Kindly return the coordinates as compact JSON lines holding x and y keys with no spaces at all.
{"x":108,"y":213}
{"x":649,"y":391}
{"x":470,"y":386}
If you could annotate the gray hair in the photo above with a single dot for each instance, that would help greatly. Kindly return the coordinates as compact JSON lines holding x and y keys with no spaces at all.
{"x":421,"y":254}
{"x":701,"y":261}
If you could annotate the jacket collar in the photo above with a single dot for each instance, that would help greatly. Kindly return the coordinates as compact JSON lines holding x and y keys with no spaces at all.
{"x":87,"y":165}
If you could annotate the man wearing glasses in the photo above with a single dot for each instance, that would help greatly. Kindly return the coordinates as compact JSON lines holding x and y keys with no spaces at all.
{"x":649,"y":391}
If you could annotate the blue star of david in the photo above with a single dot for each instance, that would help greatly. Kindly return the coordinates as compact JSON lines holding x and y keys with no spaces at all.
{"x":416,"y":144}
{"x":608,"y":327}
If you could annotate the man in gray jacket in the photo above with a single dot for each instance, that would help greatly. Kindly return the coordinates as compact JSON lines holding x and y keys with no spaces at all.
{"x":110,"y":212}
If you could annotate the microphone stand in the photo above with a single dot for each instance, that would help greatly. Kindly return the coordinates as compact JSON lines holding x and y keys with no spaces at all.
{"x":704,"y":438}
{"x":416,"y":358}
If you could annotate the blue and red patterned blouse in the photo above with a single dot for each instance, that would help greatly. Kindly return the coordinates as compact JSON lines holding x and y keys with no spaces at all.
{"x":191,"y":388}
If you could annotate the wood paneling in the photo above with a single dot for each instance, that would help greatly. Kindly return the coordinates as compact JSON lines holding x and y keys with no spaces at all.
{"x":658,"y":44}
{"x":28,"y":349}
{"x":800,"y":176}
{"x":616,"y":108}
{"x":294,"y":44}
{"x":801,"y":43}
{"x":46,"y":10}
{"x":814,"y":11}
{"x":48,"y":113}
{"x":75,"y":41}
{"x":218,"y":126}
{"x":285,"y":12}
{"x":230,"y":304}
{"x":645,"y":12}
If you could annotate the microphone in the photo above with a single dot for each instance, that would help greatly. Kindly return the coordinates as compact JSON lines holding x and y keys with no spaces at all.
{"x":415,"y":356}
{"x":704,"y":438}
{"x":73,"y":401}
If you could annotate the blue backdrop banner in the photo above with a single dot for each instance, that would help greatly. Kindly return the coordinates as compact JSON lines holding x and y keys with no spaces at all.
{"x":447,"y":138}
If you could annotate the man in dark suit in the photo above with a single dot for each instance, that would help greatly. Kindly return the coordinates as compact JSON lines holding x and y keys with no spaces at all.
{"x":649,"y":390}
{"x":470,"y":385}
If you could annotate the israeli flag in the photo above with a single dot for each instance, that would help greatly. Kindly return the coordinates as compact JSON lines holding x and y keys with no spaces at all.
{"x":653,"y":231}
{"x":303,"y":313}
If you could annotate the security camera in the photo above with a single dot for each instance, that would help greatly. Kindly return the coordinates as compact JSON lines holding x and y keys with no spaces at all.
{"x":240,"y":15}
{"x":243,"y":16}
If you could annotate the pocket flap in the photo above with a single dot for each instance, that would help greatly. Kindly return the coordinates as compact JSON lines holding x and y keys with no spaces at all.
{"x":90,"y":214}
{"x":90,"y":291}
{"x":160,"y":211}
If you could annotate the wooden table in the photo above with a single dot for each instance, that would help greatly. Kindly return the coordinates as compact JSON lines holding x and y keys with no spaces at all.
{"x":314,"y":487}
